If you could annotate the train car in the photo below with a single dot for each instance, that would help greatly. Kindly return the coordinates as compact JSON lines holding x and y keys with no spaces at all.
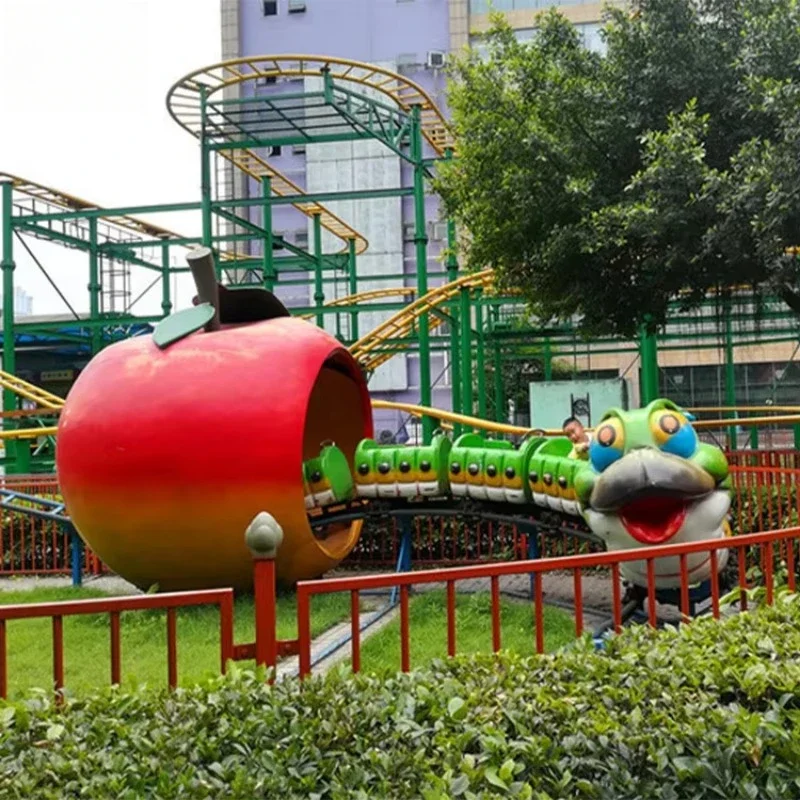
{"x":327,"y":479}
{"x":398,"y":471}
{"x":516,"y":471}
{"x":543,"y":472}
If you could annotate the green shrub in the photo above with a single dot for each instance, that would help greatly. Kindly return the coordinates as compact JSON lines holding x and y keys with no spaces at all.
{"x":709,"y":710}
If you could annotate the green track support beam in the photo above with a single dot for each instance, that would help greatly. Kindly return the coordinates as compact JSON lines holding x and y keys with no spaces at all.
{"x":730,"y":374}
{"x":480,"y":357}
{"x":648,"y":355}
{"x":268,"y":268}
{"x":166,"y":293}
{"x":497,"y":370}
{"x":95,"y":286}
{"x":319,"y":294}
{"x":548,"y":360}
{"x":452,"y":274}
{"x":466,"y":353}
{"x":421,"y":243}
{"x":352,"y":286}
{"x":7,"y":265}
{"x":205,"y":176}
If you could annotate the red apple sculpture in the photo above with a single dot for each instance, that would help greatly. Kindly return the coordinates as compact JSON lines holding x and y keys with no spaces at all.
{"x":170,"y":444}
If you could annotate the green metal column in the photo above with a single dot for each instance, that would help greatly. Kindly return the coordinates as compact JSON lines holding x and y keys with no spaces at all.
{"x":421,"y":242}
{"x":13,"y":448}
{"x":94,"y":283}
{"x":205,"y":175}
{"x":480,"y":356}
{"x":319,"y":294}
{"x":730,"y":373}
{"x":648,"y":356}
{"x":452,"y":274}
{"x":166,"y":296}
{"x":497,"y":362}
{"x":353,"y":285}
{"x":466,"y":354}
{"x":548,"y":360}
{"x":268,"y":266}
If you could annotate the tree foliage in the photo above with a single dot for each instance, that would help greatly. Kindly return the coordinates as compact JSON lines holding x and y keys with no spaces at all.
{"x":608,"y":185}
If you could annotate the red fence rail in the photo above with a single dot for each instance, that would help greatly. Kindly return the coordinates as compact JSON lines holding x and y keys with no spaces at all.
{"x":223,"y":598}
{"x":764,"y":543}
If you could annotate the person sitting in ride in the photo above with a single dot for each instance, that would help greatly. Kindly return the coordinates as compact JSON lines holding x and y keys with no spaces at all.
{"x":577,"y":434}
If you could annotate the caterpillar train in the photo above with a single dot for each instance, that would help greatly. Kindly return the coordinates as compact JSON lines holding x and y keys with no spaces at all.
{"x":539,"y":471}
{"x":647,"y":480}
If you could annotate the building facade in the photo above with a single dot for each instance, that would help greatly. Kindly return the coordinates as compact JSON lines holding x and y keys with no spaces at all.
{"x":415,"y":38}
{"x":410,"y":37}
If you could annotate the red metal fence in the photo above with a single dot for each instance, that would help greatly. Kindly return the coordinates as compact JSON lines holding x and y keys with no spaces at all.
{"x":267,"y":648}
{"x":765,"y":544}
{"x":223,"y":598}
{"x":34,"y":546}
{"x":765,"y":497}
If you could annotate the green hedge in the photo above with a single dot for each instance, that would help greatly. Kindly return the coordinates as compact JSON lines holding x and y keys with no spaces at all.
{"x":707,"y":711}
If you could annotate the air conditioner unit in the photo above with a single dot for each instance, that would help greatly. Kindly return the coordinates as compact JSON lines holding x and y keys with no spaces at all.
{"x":297,"y":6}
{"x":436,"y":59}
{"x":298,"y":149}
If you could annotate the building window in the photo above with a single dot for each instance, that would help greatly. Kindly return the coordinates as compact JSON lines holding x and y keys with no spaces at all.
{"x":297,"y":6}
{"x":275,"y":150}
{"x":270,"y":8}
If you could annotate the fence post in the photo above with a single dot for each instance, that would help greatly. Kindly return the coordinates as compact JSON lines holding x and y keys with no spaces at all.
{"x":263,"y":538}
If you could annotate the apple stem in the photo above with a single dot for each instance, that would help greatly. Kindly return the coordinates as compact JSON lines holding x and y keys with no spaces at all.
{"x":201,"y":262}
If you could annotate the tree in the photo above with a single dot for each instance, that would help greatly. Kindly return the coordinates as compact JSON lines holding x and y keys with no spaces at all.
{"x":606,"y":186}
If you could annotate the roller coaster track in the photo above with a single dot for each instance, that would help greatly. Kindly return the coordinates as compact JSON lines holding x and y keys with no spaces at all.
{"x":449,"y":418}
{"x":364,"y":297}
{"x":47,"y":196}
{"x":185,"y":98}
{"x":30,"y":391}
{"x":373,"y":349}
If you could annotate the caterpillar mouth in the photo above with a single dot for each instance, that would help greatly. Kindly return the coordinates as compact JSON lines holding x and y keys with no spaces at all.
{"x":649,"y":473}
{"x":654,"y":519}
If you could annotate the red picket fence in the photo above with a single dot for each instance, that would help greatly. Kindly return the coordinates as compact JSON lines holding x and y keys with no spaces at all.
{"x":764,"y":543}
{"x":34,"y":546}
{"x":223,"y":598}
{"x":267,"y":648}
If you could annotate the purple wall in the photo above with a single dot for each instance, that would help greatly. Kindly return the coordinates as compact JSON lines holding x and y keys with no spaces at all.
{"x":365,"y":30}
{"x":362,"y":30}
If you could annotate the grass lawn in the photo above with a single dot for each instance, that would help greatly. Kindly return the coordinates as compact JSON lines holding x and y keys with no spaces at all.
{"x":428,"y":628}
{"x":87,"y":650}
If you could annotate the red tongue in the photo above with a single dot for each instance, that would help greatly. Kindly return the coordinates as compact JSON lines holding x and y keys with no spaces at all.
{"x":653,"y":520}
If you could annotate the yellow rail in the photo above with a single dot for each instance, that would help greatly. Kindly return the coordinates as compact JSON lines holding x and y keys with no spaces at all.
{"x":516,"y":430}
{"x":71,"y":202}
{"x":30,"y":392}
{"x":371,"y":350}
{"x":28,"y":433}
{"x":364,"y":297}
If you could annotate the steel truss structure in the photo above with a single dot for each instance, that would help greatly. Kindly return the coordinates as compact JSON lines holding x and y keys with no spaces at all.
{"x":236,"y":126}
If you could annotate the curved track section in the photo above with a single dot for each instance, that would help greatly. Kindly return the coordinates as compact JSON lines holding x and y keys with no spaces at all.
{"x":373,"y":349}
{"x":365,"y":297}
{"x":46,"y":197}
{"x":515,"y":430}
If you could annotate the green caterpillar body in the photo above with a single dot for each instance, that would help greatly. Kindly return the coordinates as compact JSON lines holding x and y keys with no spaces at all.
{"x":538,"y":471}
